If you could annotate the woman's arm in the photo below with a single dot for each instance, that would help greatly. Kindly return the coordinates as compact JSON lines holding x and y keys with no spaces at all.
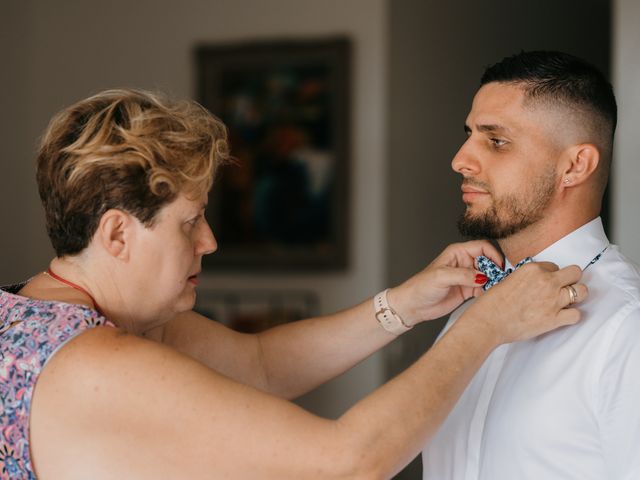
{"x":111,"y":405}
{"x":292,"y":359}
{"x":287,"y":360}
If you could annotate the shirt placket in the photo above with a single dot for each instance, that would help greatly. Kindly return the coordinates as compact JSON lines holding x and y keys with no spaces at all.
{"x":476,"y":428}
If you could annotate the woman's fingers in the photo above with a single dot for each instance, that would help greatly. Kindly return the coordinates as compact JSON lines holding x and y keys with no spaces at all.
{"x":568,"y":316}
{"x":571,"y":294}
{"x":491,"y":252}
{"x":567,"y":280}
{"x":536,"y":298}
{"x":475,"y":248}
{"x":548,"y":266}
{"x":568,"y":275}
{"x":464,"y":254}
{"x":460,"y":277}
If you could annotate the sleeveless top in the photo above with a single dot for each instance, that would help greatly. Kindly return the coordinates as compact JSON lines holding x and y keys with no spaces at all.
{"x":31,"y":332}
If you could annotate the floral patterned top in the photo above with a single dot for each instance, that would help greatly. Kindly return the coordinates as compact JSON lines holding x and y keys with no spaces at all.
{"x":31,"y":331}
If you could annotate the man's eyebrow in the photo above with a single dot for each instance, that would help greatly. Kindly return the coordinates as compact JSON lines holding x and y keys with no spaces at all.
{"x":489,"y":128}
{"x":492,"y":128}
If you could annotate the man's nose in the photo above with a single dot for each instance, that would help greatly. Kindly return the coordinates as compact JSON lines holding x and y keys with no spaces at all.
{"x":465,"y":162}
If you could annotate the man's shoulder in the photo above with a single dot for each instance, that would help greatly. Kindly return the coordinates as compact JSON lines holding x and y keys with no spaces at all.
{"x":621,"y":275}
{"x":612,"y":310}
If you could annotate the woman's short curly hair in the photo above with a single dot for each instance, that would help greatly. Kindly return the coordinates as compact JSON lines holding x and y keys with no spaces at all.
{"x":125,"y":149}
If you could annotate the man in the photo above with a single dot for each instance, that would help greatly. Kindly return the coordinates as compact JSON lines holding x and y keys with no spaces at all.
{"x":534,"y":167}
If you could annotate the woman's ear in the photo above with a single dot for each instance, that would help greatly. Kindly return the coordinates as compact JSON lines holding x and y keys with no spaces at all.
{"x":583,"y":161}
{"x":115,"y":231}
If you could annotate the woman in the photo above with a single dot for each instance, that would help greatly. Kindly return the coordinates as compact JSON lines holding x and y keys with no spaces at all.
{"x":133,"y":384}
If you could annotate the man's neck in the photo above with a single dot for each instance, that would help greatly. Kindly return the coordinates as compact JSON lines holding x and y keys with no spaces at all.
{"x":537,"y":237}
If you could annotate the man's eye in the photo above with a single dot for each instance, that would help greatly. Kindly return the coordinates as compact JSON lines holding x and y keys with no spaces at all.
{"x":498,"y":142}
{"x":194,"y":220}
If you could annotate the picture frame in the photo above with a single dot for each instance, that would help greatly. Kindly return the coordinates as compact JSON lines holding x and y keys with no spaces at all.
{"x":253,"y":311}
{"x":284,"y":204}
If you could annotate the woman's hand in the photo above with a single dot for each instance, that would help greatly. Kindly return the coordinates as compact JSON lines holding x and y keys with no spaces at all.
{"x":448,"y":281}
{"x":533,"y":300}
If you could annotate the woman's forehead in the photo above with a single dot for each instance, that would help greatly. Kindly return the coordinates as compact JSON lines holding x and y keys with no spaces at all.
{"x":183,"y":203}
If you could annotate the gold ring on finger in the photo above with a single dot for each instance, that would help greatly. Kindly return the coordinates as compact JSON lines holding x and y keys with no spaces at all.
{"x":573,"y":295}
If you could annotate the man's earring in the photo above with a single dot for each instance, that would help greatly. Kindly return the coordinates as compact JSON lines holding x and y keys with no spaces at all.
{"x":566,"y":180}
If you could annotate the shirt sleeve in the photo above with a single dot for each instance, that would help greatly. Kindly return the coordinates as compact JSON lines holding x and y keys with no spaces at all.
{"x":618,"y":397}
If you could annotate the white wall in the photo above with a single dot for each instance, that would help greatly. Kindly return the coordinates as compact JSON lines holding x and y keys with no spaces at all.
{"x":626,"y":170}
{"x":58,"y":52}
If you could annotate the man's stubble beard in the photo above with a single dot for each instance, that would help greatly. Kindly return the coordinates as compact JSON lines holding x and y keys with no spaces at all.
{"x":512,"y":213}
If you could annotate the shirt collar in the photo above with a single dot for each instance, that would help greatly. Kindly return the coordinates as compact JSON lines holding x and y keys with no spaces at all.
{"x":579,"y":247}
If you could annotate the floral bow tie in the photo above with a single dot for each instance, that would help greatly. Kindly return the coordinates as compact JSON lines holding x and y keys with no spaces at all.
{"x":494,"y":272}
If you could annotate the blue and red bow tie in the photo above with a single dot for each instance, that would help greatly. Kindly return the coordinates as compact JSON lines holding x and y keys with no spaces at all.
{"x":494,"y":272}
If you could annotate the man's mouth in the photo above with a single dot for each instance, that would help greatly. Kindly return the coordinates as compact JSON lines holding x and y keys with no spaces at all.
{"x":471,"y":194}
{"x":193,"y":279}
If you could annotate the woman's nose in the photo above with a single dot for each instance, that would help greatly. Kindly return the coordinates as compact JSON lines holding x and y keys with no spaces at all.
{"x":207,"y":242}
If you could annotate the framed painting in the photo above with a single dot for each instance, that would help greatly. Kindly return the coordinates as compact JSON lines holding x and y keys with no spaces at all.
{"x":252,"y":311}
{"x":283,"y":204}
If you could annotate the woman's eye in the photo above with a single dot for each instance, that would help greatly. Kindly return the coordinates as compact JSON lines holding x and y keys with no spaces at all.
{"x":194,"y":220}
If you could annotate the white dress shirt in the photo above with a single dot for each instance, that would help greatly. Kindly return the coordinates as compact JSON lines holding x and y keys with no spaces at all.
{"x":565,"y":405}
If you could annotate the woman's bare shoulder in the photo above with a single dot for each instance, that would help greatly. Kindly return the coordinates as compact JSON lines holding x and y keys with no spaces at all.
{"x":113,"y":405}
{"x":107,"y":366}
{"x":102,"y":355}
{"x":107,"y":390}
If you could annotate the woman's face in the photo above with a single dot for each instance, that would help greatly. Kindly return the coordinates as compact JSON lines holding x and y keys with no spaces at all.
{"x":168,"y":257}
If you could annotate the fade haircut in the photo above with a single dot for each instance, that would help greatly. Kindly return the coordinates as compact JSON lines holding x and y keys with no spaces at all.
{"x":567,"y":81}
{"x":126,"y":149}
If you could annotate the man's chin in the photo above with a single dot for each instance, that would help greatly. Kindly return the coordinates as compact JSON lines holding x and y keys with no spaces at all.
{"x":489,"y":227}
{"x":478,"y":227}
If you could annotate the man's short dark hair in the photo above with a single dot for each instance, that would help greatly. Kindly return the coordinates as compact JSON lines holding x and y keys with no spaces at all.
{"x":557,"y":76}
{"x":562,"y":79}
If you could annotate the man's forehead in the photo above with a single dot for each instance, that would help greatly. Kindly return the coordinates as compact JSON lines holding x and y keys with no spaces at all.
{"x":505,"y":107}
{"x":498,"y":100}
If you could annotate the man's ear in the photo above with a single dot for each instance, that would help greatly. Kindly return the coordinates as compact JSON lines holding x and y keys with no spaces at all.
{"x":582,"y":161}
{"x":115,"y":232}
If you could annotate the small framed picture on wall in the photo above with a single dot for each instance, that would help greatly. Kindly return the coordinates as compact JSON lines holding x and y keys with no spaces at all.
{"x":283,"y":204}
